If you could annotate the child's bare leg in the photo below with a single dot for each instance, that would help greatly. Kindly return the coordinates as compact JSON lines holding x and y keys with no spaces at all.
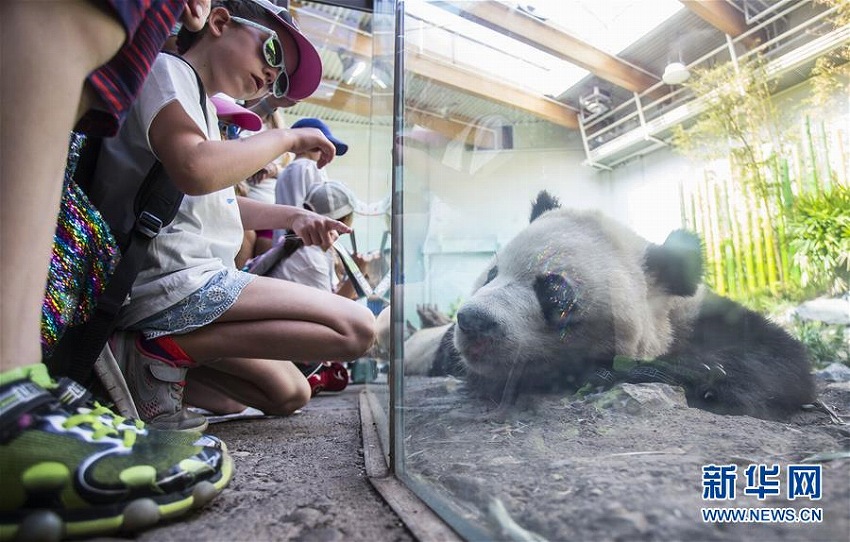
{"x":281,"y":320}
{"x":273,"y":386}
{"x":246,"y":251}
{"x":46,"y":52}
{"x":198,"y":393}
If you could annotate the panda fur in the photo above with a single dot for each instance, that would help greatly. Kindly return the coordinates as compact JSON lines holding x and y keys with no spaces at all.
{"x":575,"y":290}
{"x":422,"y":350}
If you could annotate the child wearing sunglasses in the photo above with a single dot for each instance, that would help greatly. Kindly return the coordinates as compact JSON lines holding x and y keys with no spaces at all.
{"x":190,"y":308}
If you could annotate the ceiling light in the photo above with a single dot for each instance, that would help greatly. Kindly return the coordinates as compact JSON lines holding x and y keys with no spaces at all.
{"x":381,"y":76}
{"x":378,"y":81}
{"x":356,"y":70}
{"x":351,"y":67}
{"x":675,"y":73}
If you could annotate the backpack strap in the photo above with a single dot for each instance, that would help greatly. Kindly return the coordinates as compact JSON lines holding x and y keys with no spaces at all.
{"x":157,"y":204}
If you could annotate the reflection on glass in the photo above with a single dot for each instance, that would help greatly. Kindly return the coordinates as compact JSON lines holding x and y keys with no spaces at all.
{"x":616,"y":325}
{"x":355,"y":100}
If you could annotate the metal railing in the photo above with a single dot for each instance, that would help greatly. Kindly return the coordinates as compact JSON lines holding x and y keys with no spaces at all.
{"x":640,"y":125}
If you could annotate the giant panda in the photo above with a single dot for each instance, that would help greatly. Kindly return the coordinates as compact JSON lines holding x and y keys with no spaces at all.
{"x":577,"y":296}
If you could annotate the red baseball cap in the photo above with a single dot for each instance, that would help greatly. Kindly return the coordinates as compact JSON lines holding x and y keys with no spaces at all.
{"x":305,"y":78}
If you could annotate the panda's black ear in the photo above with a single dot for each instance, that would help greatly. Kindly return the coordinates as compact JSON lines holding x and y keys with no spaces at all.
{"x":677,"y":264}
{"x":544,"y":202}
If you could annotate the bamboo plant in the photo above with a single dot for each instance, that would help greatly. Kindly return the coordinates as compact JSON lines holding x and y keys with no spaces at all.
{"x":750,"y":218}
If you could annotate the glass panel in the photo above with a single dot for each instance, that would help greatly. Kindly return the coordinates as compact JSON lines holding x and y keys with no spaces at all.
{"x":355,"y":100}
{"x":627,"y":365}
{"x":383,"y":87}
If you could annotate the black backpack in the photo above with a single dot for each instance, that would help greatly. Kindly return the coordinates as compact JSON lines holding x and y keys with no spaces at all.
{"x":156,"y":202}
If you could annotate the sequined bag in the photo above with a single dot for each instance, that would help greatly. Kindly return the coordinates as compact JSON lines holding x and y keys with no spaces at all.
{"x":84,"y":256}
{"x":88,"y":281}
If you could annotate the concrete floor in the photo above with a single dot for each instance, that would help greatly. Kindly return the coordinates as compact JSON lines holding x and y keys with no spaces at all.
{"x":297,"y":478}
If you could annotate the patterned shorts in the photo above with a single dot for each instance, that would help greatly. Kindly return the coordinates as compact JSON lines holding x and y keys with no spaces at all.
{"x":203,"y":307}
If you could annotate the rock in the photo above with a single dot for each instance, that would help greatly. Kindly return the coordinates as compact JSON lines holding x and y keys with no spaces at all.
{"x":306,"y":516}
{"x":834,"y":372}
{"x":322,"y":534}
{"x":631,"y":520}
{"x":642,"y":398}
{"x":839,"y":386}
{"x":829,"y":311}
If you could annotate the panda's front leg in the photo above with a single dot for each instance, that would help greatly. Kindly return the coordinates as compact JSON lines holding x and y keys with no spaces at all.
{"x":692,"y":377}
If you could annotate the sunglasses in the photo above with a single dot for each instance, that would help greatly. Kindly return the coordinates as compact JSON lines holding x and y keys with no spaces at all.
{"x":272,"y":53}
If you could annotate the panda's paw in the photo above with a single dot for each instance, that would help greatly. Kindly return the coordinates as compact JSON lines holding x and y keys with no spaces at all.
{"x":716,"y":372}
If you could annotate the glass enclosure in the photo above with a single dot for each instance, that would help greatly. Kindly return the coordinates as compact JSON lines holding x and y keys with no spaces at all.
{"x":635,"y":362}
{"x":573,"y":376}
{"x":355,"y":99}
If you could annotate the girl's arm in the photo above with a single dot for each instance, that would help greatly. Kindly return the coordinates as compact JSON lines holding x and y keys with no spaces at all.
{"x":200,"y":166}
{"x":313,"y":228}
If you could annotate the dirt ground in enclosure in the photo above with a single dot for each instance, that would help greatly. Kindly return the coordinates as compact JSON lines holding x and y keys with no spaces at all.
{"x":563,"y":469}
{"x":603,"y":469}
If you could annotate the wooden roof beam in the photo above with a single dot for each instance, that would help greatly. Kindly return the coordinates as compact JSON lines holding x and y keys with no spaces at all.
{"x":473,"y":82}
{"x":557,"y":42}
{"x":344,"y":98}
{"x":722,"y":16}
{"x":444,"y":73}
{"x":322,"y":33}
{"x":453,"y":128}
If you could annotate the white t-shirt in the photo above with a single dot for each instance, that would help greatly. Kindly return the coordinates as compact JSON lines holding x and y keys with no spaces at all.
{"x":294,"y":182}
{"x":207,"y":232}
{"x":263,"y":190}
{"x":308,"y":265}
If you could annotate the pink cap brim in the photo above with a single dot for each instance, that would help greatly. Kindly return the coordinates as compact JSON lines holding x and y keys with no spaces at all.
{"x":308,"y":75}
{"x":305,"y":79}
{"x":235,"y":113}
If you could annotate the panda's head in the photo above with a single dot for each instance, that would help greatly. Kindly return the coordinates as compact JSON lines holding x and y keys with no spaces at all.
{"x":569,"y":293}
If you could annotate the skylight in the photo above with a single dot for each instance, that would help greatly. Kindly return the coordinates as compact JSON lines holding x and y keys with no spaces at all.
{"x":609,"y":25}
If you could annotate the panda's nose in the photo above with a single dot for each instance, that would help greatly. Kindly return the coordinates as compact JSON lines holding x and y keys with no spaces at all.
{"x":475,"y":321}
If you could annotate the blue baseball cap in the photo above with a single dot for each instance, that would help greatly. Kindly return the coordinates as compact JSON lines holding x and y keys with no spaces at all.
{"x":309,"y":122}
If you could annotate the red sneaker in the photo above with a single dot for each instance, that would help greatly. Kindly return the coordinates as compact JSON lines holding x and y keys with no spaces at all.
{"x":333,"y":377}
{"x":315,"y":381}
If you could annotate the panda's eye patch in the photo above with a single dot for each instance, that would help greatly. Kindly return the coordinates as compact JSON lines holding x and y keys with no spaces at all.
{"x":492,"y":274}
{"x":556,"y":296}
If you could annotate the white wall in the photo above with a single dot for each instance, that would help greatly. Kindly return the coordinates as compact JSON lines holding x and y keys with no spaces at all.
{"x":366,"y":169}
{"x":646,"y":192}
{"x":463,"y":205}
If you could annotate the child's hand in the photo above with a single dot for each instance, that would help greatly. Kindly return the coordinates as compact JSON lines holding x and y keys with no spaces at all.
{"x":315,"y":229}
{"x":309,"y":140}
{"x":195,"y":14}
